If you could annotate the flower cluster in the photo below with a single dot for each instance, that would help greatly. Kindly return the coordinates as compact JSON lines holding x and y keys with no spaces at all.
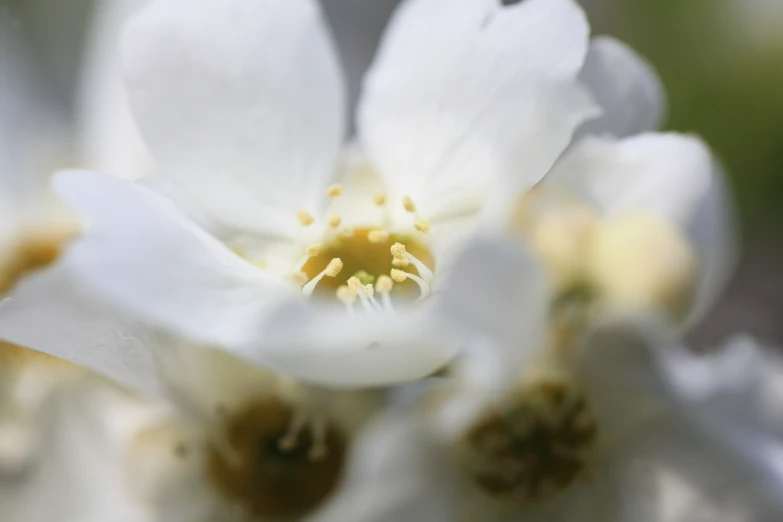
{"x":472,"y":310}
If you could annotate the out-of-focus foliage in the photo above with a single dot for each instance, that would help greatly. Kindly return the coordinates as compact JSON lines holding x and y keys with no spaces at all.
{"x":723,"y":69}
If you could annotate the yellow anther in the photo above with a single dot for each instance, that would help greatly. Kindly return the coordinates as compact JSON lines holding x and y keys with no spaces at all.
{"x":299,"y":278}
{"x":407,"y":202}
{"x":304,"y":218}
{"x":378,"y":236}
{"x":384,"y":284}
{"x":369,"y":290}
{"x":354,"y":283}
{"x":400,"y":262}
{"x":334,"y":268}
{"x":334,"y":220}
{"x":379,"y":198}
{"x":313,"y":250}
{"x":334,"y":190}
{"x":422,"y":225}
{"x":346,"y":294}
{"x":398,"y":251}
{"x":398,"y":275}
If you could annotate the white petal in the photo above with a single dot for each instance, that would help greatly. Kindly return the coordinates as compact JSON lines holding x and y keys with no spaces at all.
{"x":626,"y":87}
{"x":497,"y":293}
{"x":241,"y":102}
{"x":108,"y":137}
{"x":673,"y":176}
{"x":51,"y":313}
{"x":395,"y":473}
{"x":336,"y":349}
{"x":141,"y":253}
{"x":463,"y":92}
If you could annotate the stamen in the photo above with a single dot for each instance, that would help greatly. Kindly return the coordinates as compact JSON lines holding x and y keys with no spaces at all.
{"x":334,"y":220}
{"x":313,"y":250}
{"x":304,"y":218}
{"x":399,"y":276}
{"x":319,"y":450}
{"x":347,"y":295}
{"x":334,"y":190}
{"x":368,"y":302}
{"x":422,"y":225}
{"x":398,"y":251}
{"x":400,"y":263}
{"x":407,"y":202}
{"x":378,"y":237}
{"x":384,"y":284}
{"x":424,"y":271}
{"x":332,"y":270}
{"x":379,"y":198}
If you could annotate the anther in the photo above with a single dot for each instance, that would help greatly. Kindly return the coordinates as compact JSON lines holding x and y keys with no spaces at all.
{"x":313,"y":250}
{"x":407,"y":202}
{"x":334,"y":190}
{"x":379,"y":198}
{"x":398,"y":251}
{"x":304,"y":218}
{"x":378,"y":237}
{"x":399,"y":262}
{"x":398,"y":275}
{"x":384,"y":284}
{"x":347,"y":295}
{"x":422,"y":225}
{"x":334,"y":220}
{"x":332,"y":270}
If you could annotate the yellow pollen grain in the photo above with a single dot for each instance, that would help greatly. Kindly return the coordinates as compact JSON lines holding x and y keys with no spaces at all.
{"x":398,"y":275}
{"x":398,"y":251}
{"x":346,"y":294}
{"x":335,"y":267}
{"x":379,"y":198}
{"x":299,"y":277}
{"x":422,"y":225}
{"x":304,"y":218}
{"x":313,"y":250}
{"x":384,"y":284}
{"x":407,"y":202}
{"x":378,"y":237}
{"x":399,"y":262}
{"x":334,"y":190}
{"x":334,"y":220}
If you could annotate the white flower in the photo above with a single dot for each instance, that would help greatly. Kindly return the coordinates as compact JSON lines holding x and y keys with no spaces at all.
{"x":544,"y":426}
{"x":241,"y":102}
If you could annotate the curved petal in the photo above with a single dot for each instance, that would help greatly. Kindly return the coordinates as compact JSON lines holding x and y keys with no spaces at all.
{"x":669,"y":175}
{"x":241,"y":102}
{"x":625,"y":86}
{"x":141,"y":253}
{"x":462,"y":93}
{"x":498,"y":295}
{"x":51,"y":313}
{"x":336,"y":349}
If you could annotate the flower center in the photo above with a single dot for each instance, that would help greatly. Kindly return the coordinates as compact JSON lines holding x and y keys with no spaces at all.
{"x":271,"y":467}
{"x":358,"y":263}
{"x":533,"y":448}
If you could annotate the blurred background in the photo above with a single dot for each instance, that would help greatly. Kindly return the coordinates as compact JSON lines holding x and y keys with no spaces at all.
{"x":721,"y":62}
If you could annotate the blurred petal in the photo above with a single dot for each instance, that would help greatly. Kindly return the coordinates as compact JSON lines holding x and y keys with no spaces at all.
{"x":108,"y":136}
{"x":672,"y":176}
{"x":625,"y":86}
{"x":141,"y":253}
{"x":462,"y":93}
{"x":333,"y":348}
{"x":498,"y":291}
{"x":51,"y":313}
{"x":396,"y":472}
{"x":241,"y":102}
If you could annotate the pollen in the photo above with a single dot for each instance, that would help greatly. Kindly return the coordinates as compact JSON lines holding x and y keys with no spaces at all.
{"x":305,"y":218}
{"x":267,"y":465}
{"x":422,"y":225}
{"x":408,"y":204}
{"x":398,"y":251}
{"x":378,"y":236}
{"x":334,"y":190}
{"x":334,"y":268}
{"x":334,"y":220}
{"x":379,"y":198}
{"x":313,"y":250}
{"x":400,"y":263}
{"x":384,"y":284}
{"x":346,"y":294}
{"x":398,"y":275}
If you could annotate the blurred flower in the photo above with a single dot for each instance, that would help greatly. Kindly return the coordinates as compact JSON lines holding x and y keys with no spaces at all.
{"x":596,"y":427}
